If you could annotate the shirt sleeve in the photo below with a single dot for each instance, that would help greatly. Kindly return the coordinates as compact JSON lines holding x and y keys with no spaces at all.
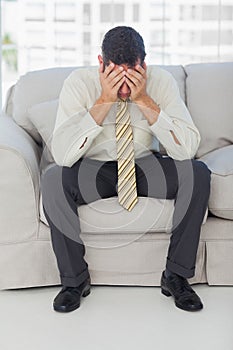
{"x":75,"y":128}
{"x":174,"y":116}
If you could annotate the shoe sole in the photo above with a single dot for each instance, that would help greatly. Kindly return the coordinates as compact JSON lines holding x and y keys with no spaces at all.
{"x":76,"y":306}
{"x":168,"y":294}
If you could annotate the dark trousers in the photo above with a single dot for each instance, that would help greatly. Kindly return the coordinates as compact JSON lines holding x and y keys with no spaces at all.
{"x":65,"y":188}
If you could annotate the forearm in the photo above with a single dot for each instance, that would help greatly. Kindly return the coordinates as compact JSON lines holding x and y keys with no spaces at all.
{"x":100,"y":110}
{"x":149,"y":108}
{"x":151,"y":112}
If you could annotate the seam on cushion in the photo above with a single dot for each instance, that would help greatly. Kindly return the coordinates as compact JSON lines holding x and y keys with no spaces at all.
{"x":185,"y":85}
{"x":218,"y":240}
{"x":222,"y":175}
{"x":147,"y":241}
{"x":222,"y":209}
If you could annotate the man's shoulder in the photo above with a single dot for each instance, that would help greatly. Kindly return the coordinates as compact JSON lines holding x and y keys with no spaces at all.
{"x":156,"y":72}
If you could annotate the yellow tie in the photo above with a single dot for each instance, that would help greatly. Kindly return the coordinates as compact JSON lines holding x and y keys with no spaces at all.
{"x":127,"y":190}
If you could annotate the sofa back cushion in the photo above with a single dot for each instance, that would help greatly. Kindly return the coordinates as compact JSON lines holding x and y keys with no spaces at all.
{"x":209,"y":93}
{"x":33,"y":88}
{"x":45,"y":85}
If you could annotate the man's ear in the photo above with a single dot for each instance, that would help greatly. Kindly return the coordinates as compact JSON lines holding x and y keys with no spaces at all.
{"x":144,"y":65}
{"x":101,"y":64}
{"x":100,"y":59}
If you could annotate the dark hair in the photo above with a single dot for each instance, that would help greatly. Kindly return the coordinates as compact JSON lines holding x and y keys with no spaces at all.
{"x":123,"y":45}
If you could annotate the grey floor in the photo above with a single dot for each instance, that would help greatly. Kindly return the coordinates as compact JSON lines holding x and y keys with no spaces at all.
{"x":115,"y":318}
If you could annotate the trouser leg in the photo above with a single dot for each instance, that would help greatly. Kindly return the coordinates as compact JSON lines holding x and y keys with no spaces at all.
{"x":188,"y":183}
{"x":63,"y":190}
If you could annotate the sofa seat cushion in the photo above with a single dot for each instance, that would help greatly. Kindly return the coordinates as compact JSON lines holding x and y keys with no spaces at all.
{"x":220,"y":162}
{"x":107,"y":216}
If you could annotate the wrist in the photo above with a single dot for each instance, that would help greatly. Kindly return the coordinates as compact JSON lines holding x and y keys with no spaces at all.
{"x":149,"y":108}
{"x":103,"y":99}
{"x":143,"y":100}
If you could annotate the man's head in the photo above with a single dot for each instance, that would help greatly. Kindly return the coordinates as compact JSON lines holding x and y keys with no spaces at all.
{"x":123,"y":45}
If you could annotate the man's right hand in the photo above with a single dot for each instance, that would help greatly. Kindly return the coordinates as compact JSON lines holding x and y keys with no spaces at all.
{"x":111,"y":79}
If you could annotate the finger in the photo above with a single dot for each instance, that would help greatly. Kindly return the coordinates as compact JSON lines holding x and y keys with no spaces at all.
{"x":141,"y":69}
{"x":135,"y":77}
{"x":109,"y":69}
{"x":130,"y":83}
{"x":116,"y":75}
{"x":119,"y":83}
{"x":138,"y":70}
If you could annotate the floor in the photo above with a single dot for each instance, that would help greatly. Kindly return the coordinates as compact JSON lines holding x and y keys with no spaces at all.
{"x":115,"y":318}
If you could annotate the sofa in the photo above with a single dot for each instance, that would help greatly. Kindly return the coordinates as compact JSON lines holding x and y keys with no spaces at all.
{"x":122,"y":248}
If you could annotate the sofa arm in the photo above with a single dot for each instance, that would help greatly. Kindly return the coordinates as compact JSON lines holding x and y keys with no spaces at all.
{"x":220,"y":162}
{"x":19,"y":183}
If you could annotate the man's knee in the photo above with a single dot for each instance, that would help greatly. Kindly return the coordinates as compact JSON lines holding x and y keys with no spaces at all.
{"x":202,"y":175}
{"x":201,"y":171}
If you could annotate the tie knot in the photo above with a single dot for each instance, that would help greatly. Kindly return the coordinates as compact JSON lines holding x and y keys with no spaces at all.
{"x":121,"y":101}
{"x":122,"y":104}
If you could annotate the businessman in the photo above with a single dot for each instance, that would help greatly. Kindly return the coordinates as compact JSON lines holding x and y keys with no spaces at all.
{"x":105,"y":143}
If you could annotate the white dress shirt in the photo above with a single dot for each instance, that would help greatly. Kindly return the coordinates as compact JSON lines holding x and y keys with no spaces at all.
{"x":76,"y":133}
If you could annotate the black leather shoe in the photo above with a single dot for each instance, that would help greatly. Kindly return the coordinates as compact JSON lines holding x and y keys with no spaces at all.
{"x":68,"y":299}
{"x":178,"y":287}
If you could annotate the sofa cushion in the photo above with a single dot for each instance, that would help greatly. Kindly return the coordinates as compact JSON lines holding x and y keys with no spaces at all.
{"x":43,"y":116}
{"x":220,"y":162}
{"x":33,"y":88}
{"x":107,"y":216}
{"x":209,"y":91}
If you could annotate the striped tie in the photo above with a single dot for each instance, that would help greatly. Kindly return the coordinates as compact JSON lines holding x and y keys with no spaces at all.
{"x":127,"y":190}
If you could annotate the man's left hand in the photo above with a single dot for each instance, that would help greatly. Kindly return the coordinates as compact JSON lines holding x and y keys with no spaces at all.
{"x":136,"y":80}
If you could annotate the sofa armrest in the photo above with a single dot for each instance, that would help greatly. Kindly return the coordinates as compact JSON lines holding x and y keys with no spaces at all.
{"x":220,"y":162}
{"x":19,"y":183}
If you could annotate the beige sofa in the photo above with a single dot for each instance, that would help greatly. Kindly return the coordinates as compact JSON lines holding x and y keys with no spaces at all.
{"x":121,"y":248}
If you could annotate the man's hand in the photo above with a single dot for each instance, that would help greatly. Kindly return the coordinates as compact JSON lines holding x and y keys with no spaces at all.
{"x":136,"y":79}
{"x":111,"y":80}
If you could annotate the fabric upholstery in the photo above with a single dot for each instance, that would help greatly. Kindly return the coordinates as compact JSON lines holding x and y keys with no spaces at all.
{"x":129,"y":256}
{"x":220,"y":162}
{"x":209,"y":90}
{"x":33,"y":88}
{"x":19,"y":183}
{"x":43,"y":116}
{"x":149,"y":215}
{"x":51,"y":81}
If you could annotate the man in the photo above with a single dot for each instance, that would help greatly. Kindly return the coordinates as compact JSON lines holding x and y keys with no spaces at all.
{"x":86,"y":150}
